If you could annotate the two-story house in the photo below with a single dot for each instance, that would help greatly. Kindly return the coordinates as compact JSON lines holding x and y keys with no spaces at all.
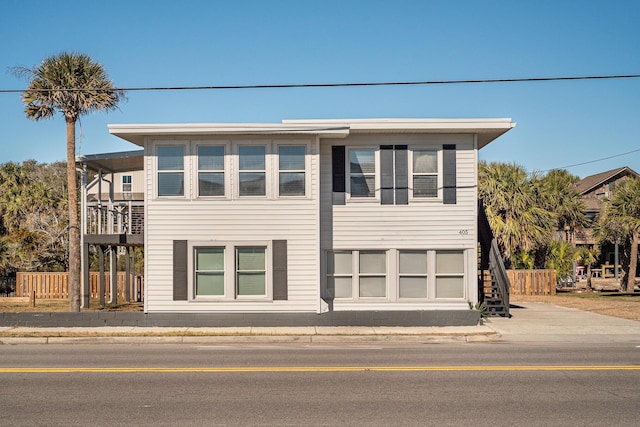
{"x":312,"y":216}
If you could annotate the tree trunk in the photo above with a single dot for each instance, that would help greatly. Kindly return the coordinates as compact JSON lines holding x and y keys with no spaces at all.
{"x":633,"y":262}
{"x":589,"y":285}
{"x":74,"y":228}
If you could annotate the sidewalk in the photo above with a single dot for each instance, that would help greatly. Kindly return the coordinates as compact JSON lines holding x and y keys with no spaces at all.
{"x":530,"y":322}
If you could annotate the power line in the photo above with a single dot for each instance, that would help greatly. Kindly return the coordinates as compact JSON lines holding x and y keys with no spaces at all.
{"x":592,"y":161}
{"x":353,"y":84}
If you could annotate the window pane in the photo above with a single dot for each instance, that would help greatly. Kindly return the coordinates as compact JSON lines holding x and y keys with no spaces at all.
{"x":449,"y":287}
{"x":252,"y":184}
{"x":211,"y":184}
{"x":251,"y":259}
{"x":342,"y":287}
{"x":252,"y":157}
{"x":291,"y":183}
{"x":210,"y":259}
{"x":362,"y":161}
{"x":425,"y":162}
{"x":211,"y":158}
{"x":339,"y":263}
{"x":291,"y":157}
{"x":449,"y":262}
{"x":170,"y":157}
{"x":373,"y":286}
{"x":362,"y":186}
{"x":209,"y":283}
{"x":413,"y":262}
{"x":170,"y":184}
{"x":425,"y":186}
{"x":373,"y":262}
{"x":251,"y":283}
{"x":413,"y":287}
{"x":126,"y":179}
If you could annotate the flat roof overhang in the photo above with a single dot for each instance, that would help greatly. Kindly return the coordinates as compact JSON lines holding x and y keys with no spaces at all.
{"x":123,"y":161}
{"x":486,"y":129}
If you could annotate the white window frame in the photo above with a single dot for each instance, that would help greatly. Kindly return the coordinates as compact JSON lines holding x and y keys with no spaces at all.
{"x":439,"y":176}
{"x":185,"y":169}
{"x":268,"y":168}
{"x":460,"y":275}
{"x":393,"y":276}
{"x":277,"y":171}
{"x":230,"y":272}
{"x":356,"y":275}
{"x":226,"y":168}
{"x":376,"y":190}
{"x":130,"y":183}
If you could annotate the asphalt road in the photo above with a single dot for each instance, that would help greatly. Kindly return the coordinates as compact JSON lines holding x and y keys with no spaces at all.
{"x":457,"y":384}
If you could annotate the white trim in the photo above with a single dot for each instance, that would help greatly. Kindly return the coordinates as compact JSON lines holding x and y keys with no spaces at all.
{"x":230,"y":285}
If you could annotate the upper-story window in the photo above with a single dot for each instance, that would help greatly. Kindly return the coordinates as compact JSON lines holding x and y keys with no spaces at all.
{"x":171,"y":170}
{"x":362,"y":172}
{"x":211,"y":170}
{"x":291,"y":170}
{"x":126,"y":183}
{"x":252,"y":170}
{"x":425,"y":173}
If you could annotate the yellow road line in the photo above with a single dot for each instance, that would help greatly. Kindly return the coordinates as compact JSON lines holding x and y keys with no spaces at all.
{"x":325,"y":369}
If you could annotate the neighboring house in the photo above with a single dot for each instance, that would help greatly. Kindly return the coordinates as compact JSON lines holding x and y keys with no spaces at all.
{"x":594,"y":189}
{"x":117,"y":187}
{"x":312,"y":216}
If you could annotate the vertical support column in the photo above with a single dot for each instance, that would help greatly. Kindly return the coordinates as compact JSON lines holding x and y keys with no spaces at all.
{"x":113,"y":272}
{"x":101,"y":285}
{"x":86,"y":285}
{"x":127,"y":275}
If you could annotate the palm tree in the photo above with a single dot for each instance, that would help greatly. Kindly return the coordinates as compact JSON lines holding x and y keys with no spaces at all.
{"x":558,"y":194}
{"x":587,"y":257}
{"x":620,"y":222}
{"x":74,"y":85}
{"x":511,"y":200}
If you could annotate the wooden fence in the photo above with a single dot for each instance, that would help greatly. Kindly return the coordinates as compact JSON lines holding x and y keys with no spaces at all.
{"x":532,"y":282}
{"x":56,"y":286}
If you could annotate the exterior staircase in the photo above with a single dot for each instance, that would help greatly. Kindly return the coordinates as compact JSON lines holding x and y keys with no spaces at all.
{"x":493,"y":282}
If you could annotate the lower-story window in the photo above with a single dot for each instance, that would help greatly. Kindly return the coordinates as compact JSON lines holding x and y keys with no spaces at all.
{"x":396,"y":275}
{"x":449,"y":274}
{"x":230,"y":271}
{"x":251,"y":273}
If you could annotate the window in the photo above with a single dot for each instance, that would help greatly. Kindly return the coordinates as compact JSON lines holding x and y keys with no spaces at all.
{"x":171,"y":170}
{"x":252,"y":170}
{"x":291,"y":165}
{"x":362,"y":173}
{"x":425,"y":173}
{"x":251,"y":271}
{"x":211,"y":170}
{"x":209,"y":271}
{"x":340,"y":280}
{"x":371,"y":280}
{"x":126,"y":183}
{"x":449,"y":274}
{"x":412,"y":274}
{"x":373,"y":270}
{"x":228,"y":271}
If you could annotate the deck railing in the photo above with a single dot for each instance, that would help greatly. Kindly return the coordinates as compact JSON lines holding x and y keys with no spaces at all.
{"x":115,"y":218}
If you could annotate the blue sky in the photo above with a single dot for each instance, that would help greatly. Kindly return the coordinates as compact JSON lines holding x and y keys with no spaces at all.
{"x":160,"y":43}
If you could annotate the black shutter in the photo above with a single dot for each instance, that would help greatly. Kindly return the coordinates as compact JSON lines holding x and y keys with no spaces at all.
{"x":449,"y":174}
{"x":180,"y":291}
{"x":280,"y":286}
{"x":386,"y":174}
{"x":402,"y":175}
{"x":338,"y":161}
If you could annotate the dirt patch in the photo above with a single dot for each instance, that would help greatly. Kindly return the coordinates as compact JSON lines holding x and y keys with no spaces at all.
{"x":18,"y":305}
{"x":625,"y":306}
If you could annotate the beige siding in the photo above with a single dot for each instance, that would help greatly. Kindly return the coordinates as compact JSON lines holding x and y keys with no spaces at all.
{"x":137,"y":185}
